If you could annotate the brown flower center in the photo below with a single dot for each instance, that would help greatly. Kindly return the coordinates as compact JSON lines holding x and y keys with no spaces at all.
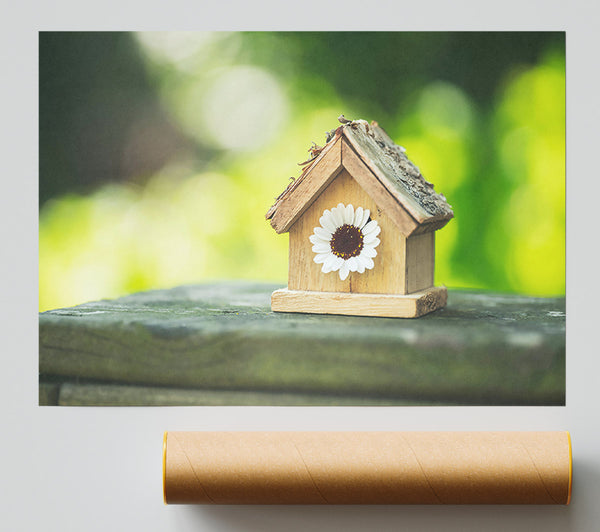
{"x":347,"y":241}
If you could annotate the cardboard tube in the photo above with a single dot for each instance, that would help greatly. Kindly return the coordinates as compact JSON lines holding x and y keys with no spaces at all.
{"x":367,"y":467}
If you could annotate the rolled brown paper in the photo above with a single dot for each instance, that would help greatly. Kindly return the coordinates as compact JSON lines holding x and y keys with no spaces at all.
{"x":367,"y":467}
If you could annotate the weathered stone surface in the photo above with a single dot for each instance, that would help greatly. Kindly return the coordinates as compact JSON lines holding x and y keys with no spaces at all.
{"x":72,"y":394}
{"x":48,"y":393}
{"x":222,"y":339}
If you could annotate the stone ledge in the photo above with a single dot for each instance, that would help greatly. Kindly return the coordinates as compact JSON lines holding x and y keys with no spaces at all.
{"x":481,"y":349}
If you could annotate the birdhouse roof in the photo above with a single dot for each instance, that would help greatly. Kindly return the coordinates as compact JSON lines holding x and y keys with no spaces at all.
{"x":381,"y":168}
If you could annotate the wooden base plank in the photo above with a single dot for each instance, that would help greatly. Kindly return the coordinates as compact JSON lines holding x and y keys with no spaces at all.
{"x":355,"y":304}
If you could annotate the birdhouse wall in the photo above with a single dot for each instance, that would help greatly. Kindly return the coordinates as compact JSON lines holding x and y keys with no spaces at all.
{"x":420,"y":261}
{"x":402,"y":265}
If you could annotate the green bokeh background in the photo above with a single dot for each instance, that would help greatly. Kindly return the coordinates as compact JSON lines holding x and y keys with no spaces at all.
{"x":160,"y":153}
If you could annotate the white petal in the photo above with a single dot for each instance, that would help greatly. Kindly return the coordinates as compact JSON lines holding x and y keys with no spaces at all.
{"x":328,"y":264}
{"x":327,"y":222}
{"x":341,"y":209}
{"x":368,"y":262}
{"x":344,"y":271}
{"x":358,"y":214}
{"x":375,"y":242}
{"x":368,"y":251}
{"x":372,"y":236}
{"x":365,"y":218}
{"x":323,"y":233}
{"x":338,"y":215}
{"x":349,"y":214}
{"x":371,"y":226}
{"x":360,"y":265}
{"x":352,"y":264}
{"x":321,"y":248}
{"x":332,"y":264}
{"x":318,"y":240}
{"x":320,"y":258}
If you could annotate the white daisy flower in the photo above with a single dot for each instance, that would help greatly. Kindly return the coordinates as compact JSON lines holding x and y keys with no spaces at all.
{"x":346,"y":240}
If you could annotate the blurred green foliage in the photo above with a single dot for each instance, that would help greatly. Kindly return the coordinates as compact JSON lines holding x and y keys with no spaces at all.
{"x":161,"y":152}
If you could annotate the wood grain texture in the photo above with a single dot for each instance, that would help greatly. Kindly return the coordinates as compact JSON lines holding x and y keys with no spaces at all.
{"x":371,"y":156}
{"x":402,"y":265}
{"x":388,"y":163}
{"x":388,"y":275}
{"x":431,"y":225}
{"x":351,"y":304}
{"x":295,"y":202}
{"x":420,"y":261}
{"x":370,"y":183}
{"x":411,"y":201}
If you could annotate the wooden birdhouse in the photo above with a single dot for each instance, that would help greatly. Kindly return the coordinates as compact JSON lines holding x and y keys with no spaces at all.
{"x":361,"y":221}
